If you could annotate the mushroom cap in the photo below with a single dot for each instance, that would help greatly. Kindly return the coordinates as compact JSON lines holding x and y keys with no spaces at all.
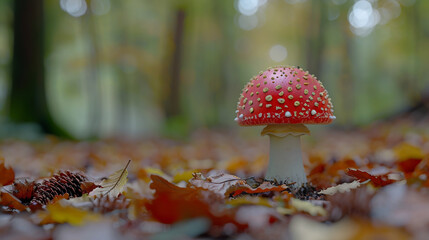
{"x":284,"y":95}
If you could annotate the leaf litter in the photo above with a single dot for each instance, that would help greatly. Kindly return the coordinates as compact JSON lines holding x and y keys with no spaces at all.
{"x":371,"y":183}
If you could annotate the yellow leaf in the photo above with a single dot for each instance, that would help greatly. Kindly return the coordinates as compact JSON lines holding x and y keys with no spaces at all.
{"x":114,"y":184}
{"x":58,"y":212}
{"x":184,"y":176}
{"x":285,"y":211}
{"x":249,"y":201}
{"x":144,"y":173}
{"x":236,"y":164}
{"x":406,"y":151}
{"x":308,"y":207}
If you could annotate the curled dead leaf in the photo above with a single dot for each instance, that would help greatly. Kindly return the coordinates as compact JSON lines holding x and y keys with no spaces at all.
{"x":263,"y":188}
{"x":10,"y":201}
{"x":378,"y":181}
{"x":7,"y":175}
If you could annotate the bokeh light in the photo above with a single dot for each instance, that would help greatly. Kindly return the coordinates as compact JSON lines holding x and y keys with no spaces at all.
{"x":75,"y":8}
{"x":247,"y":7}
{"x":278,"y":53}
{"x":363,"y":18}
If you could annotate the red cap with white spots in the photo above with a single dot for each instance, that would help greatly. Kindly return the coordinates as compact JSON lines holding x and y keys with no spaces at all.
{"x":282,"y":95}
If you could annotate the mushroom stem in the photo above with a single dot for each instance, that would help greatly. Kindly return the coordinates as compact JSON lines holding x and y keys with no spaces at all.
{"x":285,"y":153}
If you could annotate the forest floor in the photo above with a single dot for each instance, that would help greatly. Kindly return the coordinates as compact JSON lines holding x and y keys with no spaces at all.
{"x":369,"y":183}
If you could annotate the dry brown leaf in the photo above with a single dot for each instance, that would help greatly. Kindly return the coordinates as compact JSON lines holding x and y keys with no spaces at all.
{"x":172,"y":204}
{"x":263,"y":188}
{"x":220,"y":183}
{"x":7,"y":175}
{"x":10,"y":201}
{"x":378,"y":181}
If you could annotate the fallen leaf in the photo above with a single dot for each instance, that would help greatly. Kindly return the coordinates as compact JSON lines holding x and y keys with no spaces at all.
{"x":183,"y":176}
{"x":87,"y":187}
{"x":247,"y":200}
{"x":319,"y":168}
{"x":172,"y":204}
{"x":236,"y":164}
{"x":342,"y":165}
{"x":408,"y":166}
{"x":230,"y":185}
{"x":59,"y":212}
{"x":10,"y":201}
{"x":7,"y":175}
{"x":220,"y":183}
{"x":24,"y":191}
{"x":378,"y":181}
{"x":406,"y":151}
{"x":344,"y":187}
{"x":144,"y":173}
{"x":264,"y":187}
{"x":307,"y":207}
{"x":114,"y":184}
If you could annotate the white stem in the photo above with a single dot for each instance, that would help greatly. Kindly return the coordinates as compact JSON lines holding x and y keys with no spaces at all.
{"x":286,"y":160}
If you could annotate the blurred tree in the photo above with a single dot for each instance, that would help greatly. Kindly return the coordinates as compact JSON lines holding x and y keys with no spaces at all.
{"x":28,"y":94}
{"x":93,"y":82}
{"x":316,"y":36}
{"x":172,"y":99}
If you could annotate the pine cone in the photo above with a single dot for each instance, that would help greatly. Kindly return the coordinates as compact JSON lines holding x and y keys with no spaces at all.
{"x":58,"y":185}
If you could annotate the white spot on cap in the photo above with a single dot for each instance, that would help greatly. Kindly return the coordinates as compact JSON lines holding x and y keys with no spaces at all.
{"x":241,"y":116}
{"x":236,"y":111}
{"x":332,"y":117}
{"x":236,"y":119}
{"x":288,"y":114}
{"x":313,"y":112}
{"x":260,"y":115}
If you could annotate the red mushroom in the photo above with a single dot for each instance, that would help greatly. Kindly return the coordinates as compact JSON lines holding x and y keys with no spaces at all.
{"x":284,"y":99}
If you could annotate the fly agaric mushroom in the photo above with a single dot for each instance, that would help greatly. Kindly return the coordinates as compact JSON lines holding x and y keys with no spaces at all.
{"x":284,"y":99}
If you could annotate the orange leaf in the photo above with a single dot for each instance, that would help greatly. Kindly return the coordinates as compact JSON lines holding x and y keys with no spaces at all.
{"x":344,"y":164}
{"x":172,"y":204}
{"x":7,"y":175}
{"x":24,"y":191}
{"x":378,"y":181}
{"x":320,"y":168}
{"x":409,"y":165}
{"x":10,"y":201}
{"x":264,"y":187}
{"x":87,"y":187}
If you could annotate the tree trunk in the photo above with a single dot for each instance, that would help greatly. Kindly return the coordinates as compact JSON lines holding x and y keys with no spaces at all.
{"x":27,"y":101}
{"x":92,"y":82}
{"x":172,"y":98}
{"x":315,"y":37}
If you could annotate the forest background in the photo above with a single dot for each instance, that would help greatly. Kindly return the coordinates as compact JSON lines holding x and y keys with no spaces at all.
{"x":102,"y":68}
